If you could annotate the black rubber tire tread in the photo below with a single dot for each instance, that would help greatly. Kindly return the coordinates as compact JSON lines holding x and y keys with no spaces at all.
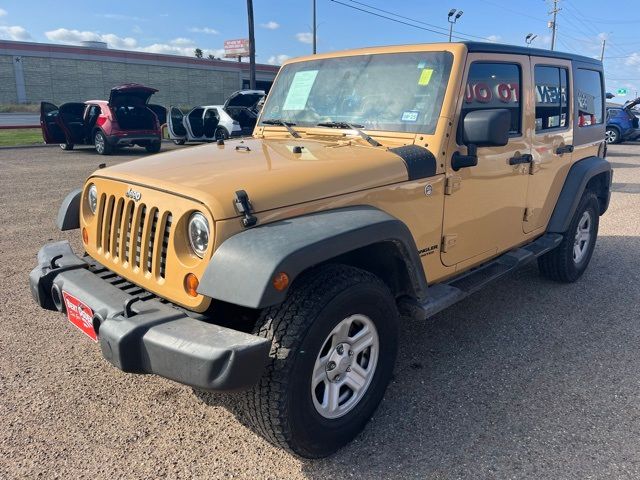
{"x":153,"y":148}
{"x":558,"y":264}
{"x":265,"y":406}
{"x":67,"y":146}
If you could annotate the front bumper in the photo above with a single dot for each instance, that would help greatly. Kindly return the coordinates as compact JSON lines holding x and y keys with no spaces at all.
{"x":140,"y":334}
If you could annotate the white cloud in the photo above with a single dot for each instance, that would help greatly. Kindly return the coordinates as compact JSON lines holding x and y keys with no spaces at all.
{"x":14,"y":33}
{"x":75,"y":37}
{"x":270,"y":25}
{"x":633,"y":59}
{"x":494,"y":38}
{"x":305,"y":37}
{"x":177,"y":46}
{"x":136,"y":29}
{"x":182,"y":42}
{"x":278,"y":59}
{"x":3,"y":12}
{"x":206,"y":30}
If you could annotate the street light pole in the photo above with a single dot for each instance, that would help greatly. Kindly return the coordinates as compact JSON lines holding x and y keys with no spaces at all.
{"x":252,"y":47}
{"x":314,"y":27}
{"x":452,"y":17}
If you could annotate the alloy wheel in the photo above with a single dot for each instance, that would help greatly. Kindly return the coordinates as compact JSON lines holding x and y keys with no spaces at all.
{"x":582,"y":238}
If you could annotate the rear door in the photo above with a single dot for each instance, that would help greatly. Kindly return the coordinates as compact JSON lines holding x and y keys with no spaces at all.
{"x":552,"y":140}
{"x":51,"y":130}
{"x":160,"y":112}
{"x":175,"y":124}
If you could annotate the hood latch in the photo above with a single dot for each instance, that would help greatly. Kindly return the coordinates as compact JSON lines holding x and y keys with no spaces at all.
{"x":244,"y":207}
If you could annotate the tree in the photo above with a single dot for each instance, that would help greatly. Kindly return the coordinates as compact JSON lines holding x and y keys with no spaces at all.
{"x":212,"y":57}
{"x":198,"y":52}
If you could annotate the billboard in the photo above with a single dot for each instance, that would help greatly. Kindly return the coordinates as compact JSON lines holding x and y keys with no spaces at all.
{"x":236,"y":48}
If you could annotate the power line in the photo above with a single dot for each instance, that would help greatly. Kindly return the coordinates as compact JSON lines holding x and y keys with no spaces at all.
{"x":459,"y":36}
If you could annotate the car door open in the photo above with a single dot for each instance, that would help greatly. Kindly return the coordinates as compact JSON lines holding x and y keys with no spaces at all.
{"x":51,"y":130}
{"x":175,"y":123}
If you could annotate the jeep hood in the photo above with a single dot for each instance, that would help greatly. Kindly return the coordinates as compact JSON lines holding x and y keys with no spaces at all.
{"x":267,"y":169}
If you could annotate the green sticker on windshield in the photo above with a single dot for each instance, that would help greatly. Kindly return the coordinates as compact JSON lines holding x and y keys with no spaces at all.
{"x":299,"y":90}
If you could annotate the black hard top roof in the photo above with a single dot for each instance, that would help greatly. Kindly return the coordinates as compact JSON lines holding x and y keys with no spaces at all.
{"x":538,"y":52}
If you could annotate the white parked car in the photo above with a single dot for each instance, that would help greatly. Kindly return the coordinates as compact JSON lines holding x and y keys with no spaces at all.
{"x":214,"y":122}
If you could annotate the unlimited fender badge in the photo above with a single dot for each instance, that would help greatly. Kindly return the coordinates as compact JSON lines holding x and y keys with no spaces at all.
{"x":133,"y":195}
{"x":428,"y":190}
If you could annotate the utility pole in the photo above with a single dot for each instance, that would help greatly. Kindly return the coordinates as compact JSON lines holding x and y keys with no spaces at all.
{"x":553,"y":24}
{"x":604,"y":41}
{"x":314,"y":27}
{"x":252,"y":47}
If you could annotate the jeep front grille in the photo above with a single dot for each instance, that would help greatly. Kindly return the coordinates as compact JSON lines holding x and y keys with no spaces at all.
{"x":133,"y":234}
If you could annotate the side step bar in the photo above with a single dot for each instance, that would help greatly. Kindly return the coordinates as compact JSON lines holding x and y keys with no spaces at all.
{"x":445,"y":294}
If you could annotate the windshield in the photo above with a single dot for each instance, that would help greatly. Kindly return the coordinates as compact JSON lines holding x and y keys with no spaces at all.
{"x":400,"y":92}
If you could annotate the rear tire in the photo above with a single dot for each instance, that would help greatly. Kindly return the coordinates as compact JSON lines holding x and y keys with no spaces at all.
{"x":567,"y":262}
{"x":66,"y":146}
{"x":102,"y":145}
{"x":179,"y":142}
{"x":153,"y":147}
{"x":337,"y":322}
{"x":612,"y":135}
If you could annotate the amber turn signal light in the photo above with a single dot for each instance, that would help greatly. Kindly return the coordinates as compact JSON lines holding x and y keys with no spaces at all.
{"x":191,"y":284}
{"x":85,"y":236}
{"x":281,"y":281}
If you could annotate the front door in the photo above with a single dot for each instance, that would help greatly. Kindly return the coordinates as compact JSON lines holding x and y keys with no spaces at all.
{"x":552,"y":140}
{"x":51,"y":130}
{"x":175,"y":123}
{"x":485,"y":204}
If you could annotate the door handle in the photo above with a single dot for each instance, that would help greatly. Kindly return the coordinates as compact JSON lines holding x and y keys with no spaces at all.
{"x":519,"y":160}
{"x":564,"y":149}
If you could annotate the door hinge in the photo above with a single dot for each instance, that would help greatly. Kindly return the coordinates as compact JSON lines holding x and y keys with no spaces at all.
{"x":528,"y":214}
{"x":448,"y":242}
{"x":452,"y":184}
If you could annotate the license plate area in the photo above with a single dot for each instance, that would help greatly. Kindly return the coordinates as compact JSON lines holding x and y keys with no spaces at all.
{"x":80,"y":314}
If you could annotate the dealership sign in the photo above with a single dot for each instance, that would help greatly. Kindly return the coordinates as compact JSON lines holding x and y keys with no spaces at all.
{"x":236,"y":48}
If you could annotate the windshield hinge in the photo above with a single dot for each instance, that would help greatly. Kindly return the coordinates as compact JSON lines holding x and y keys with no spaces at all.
{"x":452,"y":184}
{"x":244,"y":207}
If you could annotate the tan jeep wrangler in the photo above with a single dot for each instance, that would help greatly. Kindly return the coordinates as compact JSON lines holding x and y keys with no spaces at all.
{"x":377,"y":182}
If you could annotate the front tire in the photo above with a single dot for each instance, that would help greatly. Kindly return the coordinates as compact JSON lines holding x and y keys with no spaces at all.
{"x":66,"y":146}
{"x":567,"y":262}
{"x":179,"y":142}
{"x":334,"y":342}
{"x":101,"y":144}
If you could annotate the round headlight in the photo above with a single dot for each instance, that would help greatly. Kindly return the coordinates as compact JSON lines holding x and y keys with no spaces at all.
{"x":198,"y":233}
{"x":92,"y":198}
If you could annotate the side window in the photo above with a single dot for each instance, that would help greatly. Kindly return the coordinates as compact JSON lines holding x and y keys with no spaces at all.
{"x":552,"y":98}
{"x":494,"y":85}
{"x":589,"y":95}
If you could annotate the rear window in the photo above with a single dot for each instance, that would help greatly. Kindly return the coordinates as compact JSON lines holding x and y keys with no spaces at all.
{"x":589,"y":96}
{"x":552,"y":98}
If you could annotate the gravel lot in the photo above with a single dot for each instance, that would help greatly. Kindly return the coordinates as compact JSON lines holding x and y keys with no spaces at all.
{"x":525,"y":379}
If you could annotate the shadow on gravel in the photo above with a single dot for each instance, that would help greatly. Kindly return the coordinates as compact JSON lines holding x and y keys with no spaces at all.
{"x":625,"y":187}
{"x":526,"y":376}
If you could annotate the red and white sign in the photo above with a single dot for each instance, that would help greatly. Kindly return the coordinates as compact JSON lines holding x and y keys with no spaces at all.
{"x":80,"y":315}
{"x":492,"y":95}
{"x":236,"y":48}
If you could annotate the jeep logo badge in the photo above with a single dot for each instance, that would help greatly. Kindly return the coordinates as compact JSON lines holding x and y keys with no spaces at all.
{"x":133,"y":195}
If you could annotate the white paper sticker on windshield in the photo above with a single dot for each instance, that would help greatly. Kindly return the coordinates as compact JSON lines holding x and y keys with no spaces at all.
{"x":299,"y":90}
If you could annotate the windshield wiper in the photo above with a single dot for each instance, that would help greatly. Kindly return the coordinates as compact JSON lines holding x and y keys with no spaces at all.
{"x":351,"y":126}
{"x":287,"y":125}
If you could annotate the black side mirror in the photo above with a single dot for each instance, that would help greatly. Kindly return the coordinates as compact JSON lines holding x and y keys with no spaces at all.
{"x":482,"y":128}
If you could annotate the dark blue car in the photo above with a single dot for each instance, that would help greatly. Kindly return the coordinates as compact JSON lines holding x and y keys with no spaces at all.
{"x":622,"y":123}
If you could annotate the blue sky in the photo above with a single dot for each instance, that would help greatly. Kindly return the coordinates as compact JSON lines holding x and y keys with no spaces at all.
{"x":283,"y":26}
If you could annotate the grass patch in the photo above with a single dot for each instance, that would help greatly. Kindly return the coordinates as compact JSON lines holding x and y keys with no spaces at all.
{"x":23,"y":136}
{"x":20,"y":108}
